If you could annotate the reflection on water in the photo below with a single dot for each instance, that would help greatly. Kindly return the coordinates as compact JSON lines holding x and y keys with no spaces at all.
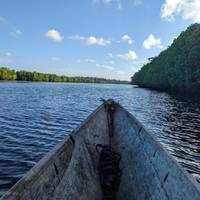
{"x":36,"y":116}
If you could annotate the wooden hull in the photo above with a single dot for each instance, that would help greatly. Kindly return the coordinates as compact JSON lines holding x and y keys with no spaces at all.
{"x":70,"y":171}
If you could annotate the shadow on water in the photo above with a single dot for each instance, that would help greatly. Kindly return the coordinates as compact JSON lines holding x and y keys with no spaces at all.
{"x":34,"y":117}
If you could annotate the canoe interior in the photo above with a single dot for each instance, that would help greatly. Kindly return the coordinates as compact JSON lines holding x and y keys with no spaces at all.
{"x":70,"y":171}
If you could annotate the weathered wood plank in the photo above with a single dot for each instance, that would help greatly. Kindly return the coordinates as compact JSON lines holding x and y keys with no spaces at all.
{"x":149,"y":172}
{"x":70,"y":170}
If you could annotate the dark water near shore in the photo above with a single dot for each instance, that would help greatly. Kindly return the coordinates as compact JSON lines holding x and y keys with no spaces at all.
{"x":36,"y":116}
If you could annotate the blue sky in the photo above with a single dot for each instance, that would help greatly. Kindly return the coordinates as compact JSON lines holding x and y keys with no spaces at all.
{"x":103,"y":38}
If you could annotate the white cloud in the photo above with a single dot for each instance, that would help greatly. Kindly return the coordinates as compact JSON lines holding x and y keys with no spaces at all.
{"x":3,"y":20}
{"x":105,"y":1}
{"x":119,"y":72}
{"x":8,"y":54}
{"x":76,"y":37}
{"x":137,"y":2}
{"x":144,"y":62}
{"x":55,"y":58}
{"x":16,"y":33}
{"x":118,"y":3}
{"x":110,"y":68}
{"x":98,"y":41}
{"x":127,"y":39}
{"x":187,"y":9}
{"x":110,"y":55}
{"x":152,"y":41}
{"x":131,"y":55}
{"x":88,"y":60}
{"x":105,"y":66}
{"x":141,"y":62}
{"x":91,"y":40}
{"x":13,"y":30}
{"x":54,"y":35}
{"x":110,"y":62}
{"x":6,"y":57}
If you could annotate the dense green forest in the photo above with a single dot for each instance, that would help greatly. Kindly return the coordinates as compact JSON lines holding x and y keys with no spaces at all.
{"x":176,"y":68}
{"x":8,"y":74}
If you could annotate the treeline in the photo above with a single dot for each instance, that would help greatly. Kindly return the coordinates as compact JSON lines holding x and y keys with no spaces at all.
{"x":176,"y":68}
{"x":8,"y":74}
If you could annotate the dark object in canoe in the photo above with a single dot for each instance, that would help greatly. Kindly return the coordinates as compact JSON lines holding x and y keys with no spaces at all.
{"x":70,"y":171}
{"x":109,"y":171}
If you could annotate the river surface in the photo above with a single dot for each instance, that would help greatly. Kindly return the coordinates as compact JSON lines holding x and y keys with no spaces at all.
{"x":34,"y":117}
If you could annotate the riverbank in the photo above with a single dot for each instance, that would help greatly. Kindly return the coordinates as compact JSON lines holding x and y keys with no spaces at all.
{"x":176,"y":68}
{"x":7,"y":74}
{"x":43,"y":82}
{"x":186,"y":94}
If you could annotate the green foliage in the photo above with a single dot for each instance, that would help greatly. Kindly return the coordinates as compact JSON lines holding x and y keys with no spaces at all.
{"x":177,"y":68}
{"x":7,"y":74}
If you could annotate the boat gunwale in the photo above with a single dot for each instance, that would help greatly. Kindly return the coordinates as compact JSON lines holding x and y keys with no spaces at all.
{"x":162,"y":148}
{"x":32,"y":173}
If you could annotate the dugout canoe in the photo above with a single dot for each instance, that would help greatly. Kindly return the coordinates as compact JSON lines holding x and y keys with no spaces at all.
{"x":70,"y":170}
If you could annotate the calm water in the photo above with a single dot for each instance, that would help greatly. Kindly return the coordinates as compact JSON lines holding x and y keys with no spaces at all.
{"x":36,"y":116}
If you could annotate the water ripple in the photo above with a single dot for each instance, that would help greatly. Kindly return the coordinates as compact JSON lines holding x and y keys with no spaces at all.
{"x":34,"y":117}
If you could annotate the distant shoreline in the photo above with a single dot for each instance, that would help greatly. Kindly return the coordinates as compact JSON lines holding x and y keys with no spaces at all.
{"x":16,"y":81}
{"x":7,"y":74}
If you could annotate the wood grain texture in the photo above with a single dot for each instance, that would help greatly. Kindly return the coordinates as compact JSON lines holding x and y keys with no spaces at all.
{"x":70,"y":170}
{"x":149,"y":172}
